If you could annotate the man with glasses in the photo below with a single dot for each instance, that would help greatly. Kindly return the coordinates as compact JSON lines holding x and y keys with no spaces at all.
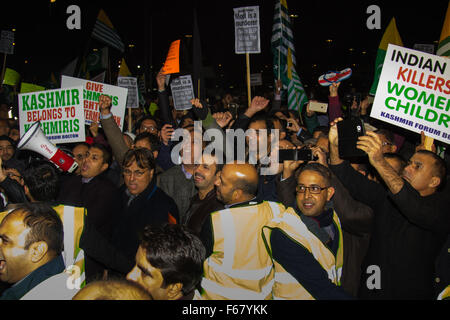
{"x":143,"y":202}
{"x":307,"y":244}
{"x":79,"y":152}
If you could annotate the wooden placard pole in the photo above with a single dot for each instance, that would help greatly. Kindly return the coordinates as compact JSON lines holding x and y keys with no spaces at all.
{"x":3,"y":69}
{"x":247,"y":59}
{"x":130,"y":129}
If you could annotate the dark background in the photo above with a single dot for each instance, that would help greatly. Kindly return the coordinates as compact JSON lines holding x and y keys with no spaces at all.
{"x":44,"y":42}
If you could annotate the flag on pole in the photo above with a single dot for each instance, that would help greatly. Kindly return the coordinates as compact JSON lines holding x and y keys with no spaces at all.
{"x":97,"y":60}
{"x":444,"y":41}
{"x":392,"y":36}
{"x":284,"y":61}
{"x":124,"y":71}
{"x":105,"y":32}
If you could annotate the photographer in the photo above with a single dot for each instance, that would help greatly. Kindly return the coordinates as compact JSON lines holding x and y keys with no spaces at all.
{"x":411,"y":218}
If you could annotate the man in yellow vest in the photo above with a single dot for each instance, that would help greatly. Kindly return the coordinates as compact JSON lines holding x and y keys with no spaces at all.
{"x":306,"y":242}
{"x":238,"y":266}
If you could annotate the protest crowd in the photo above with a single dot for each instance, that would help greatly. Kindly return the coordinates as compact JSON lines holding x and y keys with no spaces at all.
{"x":151,"y":212}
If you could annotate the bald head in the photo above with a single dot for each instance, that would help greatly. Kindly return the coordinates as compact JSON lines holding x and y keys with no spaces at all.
{"x":112,"y":290}
{"x":237,"y":183}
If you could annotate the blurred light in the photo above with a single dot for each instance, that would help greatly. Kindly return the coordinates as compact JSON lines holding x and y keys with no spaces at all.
{"x":26,"y":61}
{"x":14,"y":43}
{"x":231,"y":87}
{"x":52,"y":1}
{"x":351,"y":49}
{"x":188,"y":36}
{"x":138,"y":66}
{"x":131,"y":45}
{"x":293,"y":16}
{"x":95,"y":49}
{"x":329,"y":40}
{"x":220,"y":65}
{"x":364,"y":52}
{"x":13,"y":30}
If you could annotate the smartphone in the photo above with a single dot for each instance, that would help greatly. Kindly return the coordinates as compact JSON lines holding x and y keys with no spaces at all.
{"x":348,"y":132}
{"x":318,"y":107}
{"x":304,"y":154}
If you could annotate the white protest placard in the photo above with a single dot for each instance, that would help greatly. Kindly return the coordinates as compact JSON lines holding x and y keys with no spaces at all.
{"x":256,"y":79}
{"x":131,"y":84}
{"x":6,"y":42}
{"x":413,"y":92}
{"x":182,"y":92}
{"x":246,"y":30}
{"x":59,"y":111}
{"x":91,"y":92}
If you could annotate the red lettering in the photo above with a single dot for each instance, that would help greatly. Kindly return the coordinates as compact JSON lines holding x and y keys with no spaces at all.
{"x":447,"y":84}
{"x":401,"y":73}
{"x":29,"y":117}
{"x":439,"y":83}
{"x":420,"y":80}
{"x":414,"y":77}
{"x":430,"y":81}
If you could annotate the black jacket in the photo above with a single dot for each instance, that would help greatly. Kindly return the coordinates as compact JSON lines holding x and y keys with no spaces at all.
{"x":408,"y":232}
{"x":151,"y":207}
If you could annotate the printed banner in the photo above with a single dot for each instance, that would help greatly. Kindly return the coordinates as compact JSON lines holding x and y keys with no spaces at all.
{"x":413,"y":92}
{"x":60,"y":112}
{"x":182,"y":92}
{"x":131,"y":84}
{"x":91,"y":91}
{"x":246,"y":30}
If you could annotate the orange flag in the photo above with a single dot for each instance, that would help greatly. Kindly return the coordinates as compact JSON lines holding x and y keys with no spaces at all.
{"x":172,"y":64}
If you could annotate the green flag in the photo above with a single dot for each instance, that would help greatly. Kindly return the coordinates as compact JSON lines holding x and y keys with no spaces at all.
{"x":97,"y":60}
{"x":284,"y":61}
{"x":392,"y":36}
{"x":11,"y":78}
{"x":444,"y":41}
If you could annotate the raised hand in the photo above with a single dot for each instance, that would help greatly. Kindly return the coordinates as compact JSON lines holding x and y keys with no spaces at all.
{"x":373,"y":146}
{"x":166,"y":133}
{"x":161,"y":80}
{"x":334,"y":89}
{"x":196,"y":102}
{"x":258,"y":103}
{"x":104,"y":104}
{"x":222,"y":118}
{"x":93,"y":128}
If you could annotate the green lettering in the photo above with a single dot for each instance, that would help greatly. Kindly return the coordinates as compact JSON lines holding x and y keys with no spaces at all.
{"x":75,"y":97}
{"x":440,"y":101}
{"x":444,"y":119}
{"x":60,"y":99}
{"x":65,"y":126}
{"x":395,"y":88}
{"x":41,"y":98}
{"x":53,"y":127}
{"x":433,"y":113}
{"x":409,"y":90}
{"x":33,"y":103}
{"x":426,"y":101}
{"x":76,"y":125}
{"x":25,"y":104}
{"x":387,"y":104}
{"x":399,"y":105}
{"x":50,"y":99}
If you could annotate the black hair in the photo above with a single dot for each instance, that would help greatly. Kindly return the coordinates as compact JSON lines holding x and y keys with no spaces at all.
{"x":41,"y":178}
{"x":143,"y":157}
{"x":152,"y":139}
{"x":176,"y":252}
{"x":106,"y":151}
{"x":147,"y":117}
{"x":388,"y":134}
{"x":439,"y":167}
{"x":316,"y":167}
{"x":45,"y":225}
{"x":11,"y":141}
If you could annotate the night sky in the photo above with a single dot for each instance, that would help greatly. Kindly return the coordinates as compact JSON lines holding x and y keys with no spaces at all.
{"x":43,"y":39}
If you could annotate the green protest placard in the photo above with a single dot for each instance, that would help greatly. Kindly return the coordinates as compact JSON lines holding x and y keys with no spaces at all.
{"x":11,"y":78}
{"x":413,"y":92}
{"x":29,"y":87}
{"x":59,"y":111}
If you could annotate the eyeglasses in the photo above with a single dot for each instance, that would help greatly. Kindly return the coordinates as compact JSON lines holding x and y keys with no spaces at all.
{"x":312,"y":189}
{"x":149,"y":128}
{"x":136,"y":173}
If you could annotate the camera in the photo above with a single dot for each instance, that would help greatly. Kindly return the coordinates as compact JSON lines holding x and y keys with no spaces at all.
{"x":304,"y":154}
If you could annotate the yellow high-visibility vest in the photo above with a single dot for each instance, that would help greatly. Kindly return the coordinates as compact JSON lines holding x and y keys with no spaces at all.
{"x":73,"y":224}
{"x":240,"y":267}
{"x":286,"y":286}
